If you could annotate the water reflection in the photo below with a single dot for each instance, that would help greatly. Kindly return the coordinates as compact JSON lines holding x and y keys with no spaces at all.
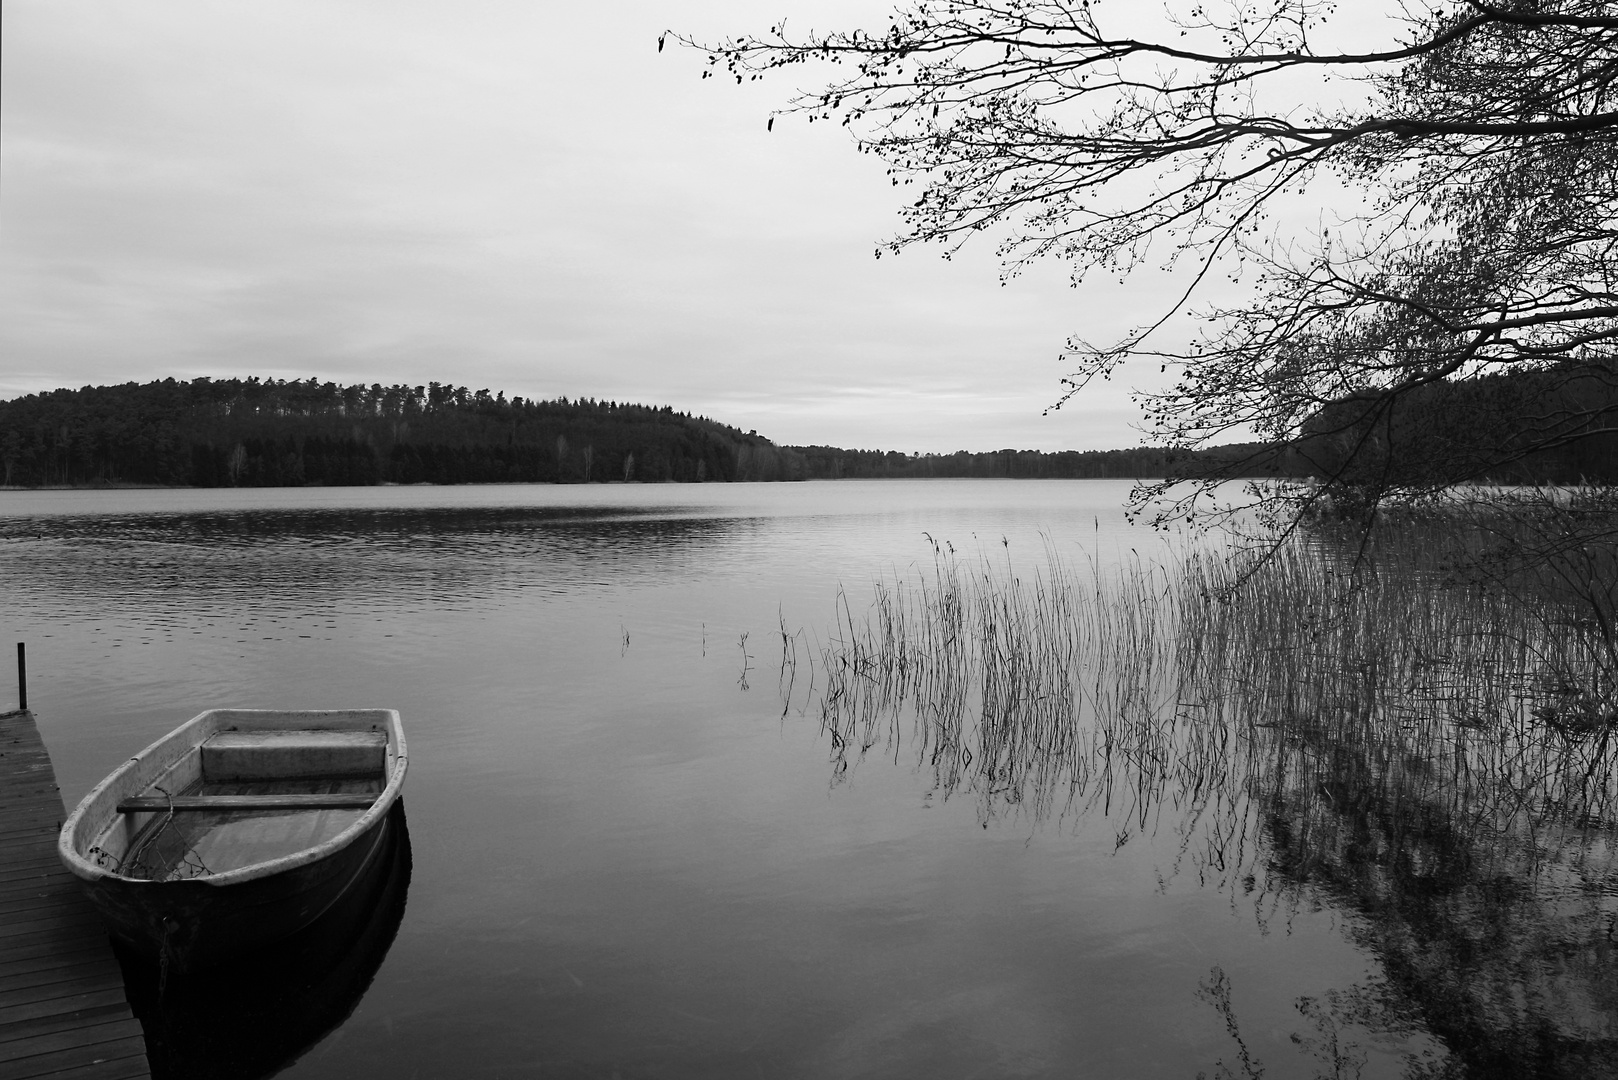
{"x":253,"y":1018}
{"x":623,"y":861}
{"x":405,"y":559}
{"x":1495,"y":928}
{"x":1306,"y":743}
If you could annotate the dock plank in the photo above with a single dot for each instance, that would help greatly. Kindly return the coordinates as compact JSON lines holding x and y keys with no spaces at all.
{"x":91,"y":984}
{"x":133,"y":1067}
{"x":45,"y":1025}
{"x":23,"y":829}
{"x":53,"y":921}
{"x":33,"y":894}
{"x":37,"y":867}
{"x":87,"y":966}
{"x":17,"y":889}
{"x":63,"y":1010}
{"x":21,"y":951}
{"x":75,"y":1060}
{"x":93,"y":1033}
{"x":17,"y":967}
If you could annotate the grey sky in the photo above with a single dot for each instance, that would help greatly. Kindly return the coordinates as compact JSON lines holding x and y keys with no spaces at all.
{"x":520,"y":196}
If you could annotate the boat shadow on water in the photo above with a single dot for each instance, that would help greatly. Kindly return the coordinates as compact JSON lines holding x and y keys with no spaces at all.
{"x":255,"y":1016}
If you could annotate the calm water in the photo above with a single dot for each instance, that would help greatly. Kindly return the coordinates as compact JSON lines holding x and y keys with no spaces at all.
{"x":630,"y":857}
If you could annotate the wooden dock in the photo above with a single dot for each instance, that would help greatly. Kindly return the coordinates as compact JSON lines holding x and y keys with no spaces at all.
{"x":62,"y":1007}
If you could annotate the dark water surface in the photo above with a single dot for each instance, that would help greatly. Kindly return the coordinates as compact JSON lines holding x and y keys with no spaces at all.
{"x":629,"y":857}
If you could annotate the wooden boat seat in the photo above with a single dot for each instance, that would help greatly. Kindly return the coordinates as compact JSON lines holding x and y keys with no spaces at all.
{"x":158,"y":804}
{"x":276,"y":755}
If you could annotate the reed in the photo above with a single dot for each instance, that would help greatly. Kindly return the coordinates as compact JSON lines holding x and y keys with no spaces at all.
{"x":1036,"y":689}
{"x":1421,"y":726}
{"x":1414,"y":724}
{"x":1028,"y":690}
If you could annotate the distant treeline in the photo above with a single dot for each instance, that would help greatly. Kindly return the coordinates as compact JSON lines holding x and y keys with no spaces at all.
{"x":263,"y":433}
{"x":253,"y":433}
{"x":1142,"y":462}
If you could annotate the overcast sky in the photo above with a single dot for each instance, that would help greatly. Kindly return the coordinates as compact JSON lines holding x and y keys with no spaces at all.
{"x":527,"y":197}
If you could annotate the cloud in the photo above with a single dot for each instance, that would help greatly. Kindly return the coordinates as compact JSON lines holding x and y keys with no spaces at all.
{"x":513,"y":196}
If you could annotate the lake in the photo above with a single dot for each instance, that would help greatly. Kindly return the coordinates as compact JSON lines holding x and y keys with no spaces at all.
{"x":632,"y":854}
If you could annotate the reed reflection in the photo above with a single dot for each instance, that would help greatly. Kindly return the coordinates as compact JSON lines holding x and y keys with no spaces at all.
{"x":254,"y":1018}
{"x":1334,"y":726}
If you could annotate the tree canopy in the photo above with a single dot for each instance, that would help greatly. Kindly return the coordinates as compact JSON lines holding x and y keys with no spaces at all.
{"x":1465,"y":159}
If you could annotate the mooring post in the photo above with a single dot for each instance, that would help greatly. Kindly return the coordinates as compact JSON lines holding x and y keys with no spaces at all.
{"x":22,"y":677}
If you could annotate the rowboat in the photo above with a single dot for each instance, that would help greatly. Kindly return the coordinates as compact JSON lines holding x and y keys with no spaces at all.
{"x":238,"y":828}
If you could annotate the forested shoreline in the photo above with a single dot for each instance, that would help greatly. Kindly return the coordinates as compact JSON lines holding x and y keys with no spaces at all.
{"x":262,"y":433}
{"x":270,"y":433}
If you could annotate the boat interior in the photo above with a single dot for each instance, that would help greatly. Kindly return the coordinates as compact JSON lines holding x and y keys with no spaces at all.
{"x":244,"y":797}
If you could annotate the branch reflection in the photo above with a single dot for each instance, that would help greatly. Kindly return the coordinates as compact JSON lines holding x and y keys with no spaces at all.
{"x":1335,"y":725}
